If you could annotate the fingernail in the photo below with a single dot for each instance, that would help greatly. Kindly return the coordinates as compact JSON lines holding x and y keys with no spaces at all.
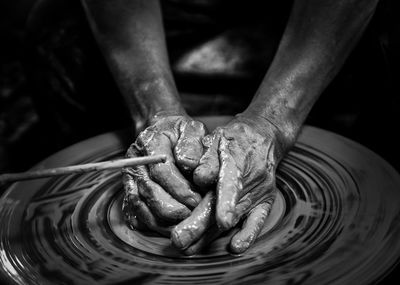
{"x":239,"y":246}
{"x":236,"y":246}
{"x":192,"y":202}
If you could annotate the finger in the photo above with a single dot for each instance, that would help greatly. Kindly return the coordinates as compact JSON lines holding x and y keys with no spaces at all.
{"x":242,"y":207}
{"x":245,"y":204}
{"x":255,"y":196}
{"x":146,"y":217}
{"x":252,"y":226}
{"x":191,"y":229}
{"x":228,"y":188}
{"x":131,"y":194}
{"x":137,"y":213}
{"x":159,"y":201}
{"x":206,"y":173}
{"x":213,"y":233}
{"x":189,"y":148}
{"x":167,"y":174}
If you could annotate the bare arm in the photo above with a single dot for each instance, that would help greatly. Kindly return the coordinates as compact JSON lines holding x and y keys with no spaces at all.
{"x":131,"y":36}
{"x":318,"y":38}
{"x":243,"y":155}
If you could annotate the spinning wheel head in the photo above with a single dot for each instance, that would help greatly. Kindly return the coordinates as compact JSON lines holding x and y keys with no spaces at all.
{"x":335,"y":221}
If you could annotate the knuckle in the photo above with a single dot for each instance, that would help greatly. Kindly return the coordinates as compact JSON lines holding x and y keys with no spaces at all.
{"x":208,"y":140}
{"x":199,"y":127}
{"x":189,"y":154}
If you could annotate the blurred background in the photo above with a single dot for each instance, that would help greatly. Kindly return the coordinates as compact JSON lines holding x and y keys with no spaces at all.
{"x":55,"y":88}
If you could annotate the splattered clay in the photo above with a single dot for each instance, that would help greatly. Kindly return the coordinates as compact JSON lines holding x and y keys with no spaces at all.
{"x":336,"y":221}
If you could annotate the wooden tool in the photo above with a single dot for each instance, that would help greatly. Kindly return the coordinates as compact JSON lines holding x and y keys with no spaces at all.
{"x":82,"y":168}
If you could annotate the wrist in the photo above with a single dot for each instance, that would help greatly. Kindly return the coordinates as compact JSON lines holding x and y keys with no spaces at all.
{"x":156,"y":97}
{"x":283,"y":105}
{"x":167,"y":113}
{"x":285,"y":131}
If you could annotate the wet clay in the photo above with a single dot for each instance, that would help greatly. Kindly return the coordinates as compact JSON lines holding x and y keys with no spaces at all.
{"x":335,"y":220}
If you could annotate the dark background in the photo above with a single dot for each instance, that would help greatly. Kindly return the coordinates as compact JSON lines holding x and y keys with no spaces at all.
{"x":55,"y":89}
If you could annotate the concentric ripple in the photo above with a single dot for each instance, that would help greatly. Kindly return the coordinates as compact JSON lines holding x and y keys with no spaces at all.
{"x":336,"y":221}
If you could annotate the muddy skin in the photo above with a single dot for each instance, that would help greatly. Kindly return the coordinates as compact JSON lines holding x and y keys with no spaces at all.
{"x":139,"y":217}
{"x":159,"y":201}
{"x":160,"y":196}
{"x":241,"y":157}
{"x":192,"y":228}
{"x":239,"y":162}
{"x":213,"y":233}
{"x":180,"y":139}
{"x":206,"y":173}
{"x":248,"y":160}
{"x":252,"y":226}
{"x":244,"y":171}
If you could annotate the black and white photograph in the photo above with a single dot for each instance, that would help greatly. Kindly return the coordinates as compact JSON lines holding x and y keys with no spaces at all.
{"x":199,"y":142}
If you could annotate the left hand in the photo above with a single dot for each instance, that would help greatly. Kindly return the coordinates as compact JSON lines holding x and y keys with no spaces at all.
{"x":241,"y":158}
{"x":159,"y":195}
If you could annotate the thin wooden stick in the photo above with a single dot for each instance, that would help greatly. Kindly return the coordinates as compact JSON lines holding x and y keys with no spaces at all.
{"x":82,"y":168}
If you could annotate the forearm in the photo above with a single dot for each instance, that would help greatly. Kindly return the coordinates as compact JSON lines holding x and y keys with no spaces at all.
{"x":318,"y":38}
{"x":131,"y":36}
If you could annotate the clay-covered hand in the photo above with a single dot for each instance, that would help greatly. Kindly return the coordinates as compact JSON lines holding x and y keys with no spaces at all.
{"x":159,"y":196}
{"x":241,"y":158}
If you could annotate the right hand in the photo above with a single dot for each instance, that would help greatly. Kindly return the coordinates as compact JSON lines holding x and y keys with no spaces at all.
{"x":240,"y":161}
{"x":158,"y":196}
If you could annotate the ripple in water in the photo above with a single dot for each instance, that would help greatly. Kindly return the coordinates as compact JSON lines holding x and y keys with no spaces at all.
{"x":336,"y":221}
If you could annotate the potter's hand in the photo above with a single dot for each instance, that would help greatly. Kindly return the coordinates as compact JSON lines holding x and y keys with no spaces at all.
{"x":242,"y":158}
{"x":159,"y":195}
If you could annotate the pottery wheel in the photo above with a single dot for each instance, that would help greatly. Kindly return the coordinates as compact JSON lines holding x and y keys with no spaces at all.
{"x":336,"y":221}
